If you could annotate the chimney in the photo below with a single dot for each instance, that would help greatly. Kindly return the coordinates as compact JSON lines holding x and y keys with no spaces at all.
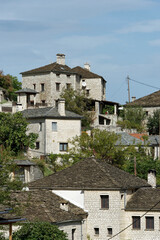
{"x":87,"y":66}
{"x":152,"y":178}
{"x":133,"y":99}
{"x":61,"y":106}
{"x":60,"y":59}
{"x":64,"y":206}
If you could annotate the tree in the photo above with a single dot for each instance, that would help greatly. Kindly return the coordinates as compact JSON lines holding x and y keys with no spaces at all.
{"x":7,"y":184}
{"x":132,"y":117}
{"x":144,"y":162}
{"x":11,"y":84}
{"x":13,"y":134}
{"x":153,"y":123}
{"x":100,"y":144}
{"x":40,"y":231}
{"x":77,"y":102}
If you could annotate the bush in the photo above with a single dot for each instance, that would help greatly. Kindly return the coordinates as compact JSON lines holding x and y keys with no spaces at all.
{"x":39,"y":231}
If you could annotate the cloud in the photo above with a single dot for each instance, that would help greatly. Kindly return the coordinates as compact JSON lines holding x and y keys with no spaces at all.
{"x":142,"y":27}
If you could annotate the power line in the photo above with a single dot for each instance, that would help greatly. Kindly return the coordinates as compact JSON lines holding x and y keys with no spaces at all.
{"x":134,"y":221}
{"x":144,"y":84}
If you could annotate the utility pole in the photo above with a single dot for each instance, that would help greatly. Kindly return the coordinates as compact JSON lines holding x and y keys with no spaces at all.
{"x":128,"y":89}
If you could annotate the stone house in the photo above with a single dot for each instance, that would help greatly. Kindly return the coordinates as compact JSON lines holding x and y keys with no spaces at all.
{"x":27,"y":171}
{"x":110,"y":196}
{"x":43,"y":86}
{"x":149,"y":103}
{"x":50,"y":80}
{"x":54,"y":126}
{"x":45,"y":206}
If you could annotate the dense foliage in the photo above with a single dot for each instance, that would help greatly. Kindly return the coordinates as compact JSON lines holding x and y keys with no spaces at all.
{"x":13,"y":135}
{"x":132,"y":117}
{"x":77,"y":102}
{"x":40,"y":231}
{"x":11,"y":84}
{"x":144,"y":162}
{"x":154,"y":123}
{"x":100,"y":144}
{"x":7,"y":184}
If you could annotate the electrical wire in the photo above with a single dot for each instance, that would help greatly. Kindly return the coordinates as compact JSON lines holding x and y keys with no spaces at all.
{"x":143,"y":83}
{"x":134,"y":221}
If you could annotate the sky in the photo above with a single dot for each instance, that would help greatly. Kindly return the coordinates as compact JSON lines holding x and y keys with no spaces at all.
{"x":118,"y":38}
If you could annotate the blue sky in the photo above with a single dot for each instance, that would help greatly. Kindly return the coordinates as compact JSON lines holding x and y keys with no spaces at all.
{"x":117,"y":37}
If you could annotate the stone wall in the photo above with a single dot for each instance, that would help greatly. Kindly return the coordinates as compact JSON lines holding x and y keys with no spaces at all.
{"x":49,"y":140}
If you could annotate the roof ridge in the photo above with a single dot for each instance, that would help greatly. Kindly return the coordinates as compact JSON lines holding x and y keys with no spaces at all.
{"x":50,"y":110}
{"x":108,"y":175}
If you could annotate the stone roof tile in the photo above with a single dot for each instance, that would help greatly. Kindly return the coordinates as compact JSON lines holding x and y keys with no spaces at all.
{"x":90,"y":174}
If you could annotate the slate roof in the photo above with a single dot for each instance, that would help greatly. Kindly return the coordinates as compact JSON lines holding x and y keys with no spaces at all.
{"x":53,"y":67}
{"x":144,"y":199}
{"x":26,"y":90}
{"x":85,"y":73}
{"x":154,"y":140}
{"x":90,"y":174}
{"x":49,"y":112}
{"x":43,"y":205}
{"x":126,"y":139}
{"x":24,"y":162}
{"x":151,"y":100}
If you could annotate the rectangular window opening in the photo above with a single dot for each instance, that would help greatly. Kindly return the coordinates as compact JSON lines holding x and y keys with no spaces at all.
{"x":40,"y":126}
{"x":136,"y":224}
{"x":109,"y":230}
{"x":37,"y":145}
{"x":96,"y":231}
{"x":73,"y":233}
{"x":58,"y":87}
{"x":150,"y":223}
{"x":63,"y":147}
{"x":42,"y":87}
{"x":54,"y":126}
{"x":105,"y":201}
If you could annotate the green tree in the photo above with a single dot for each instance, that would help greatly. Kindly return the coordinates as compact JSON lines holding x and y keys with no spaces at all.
{"x":77,"y":102}
{"x":40,"y":231}
{"x":132,"y":117}
{"x":153,"y":123}
{"x":13,"y":135}
{"x":11,"y":84}
{"x":144,"y":162}
{"x":7,"y":184}
{"x":100,"y":144}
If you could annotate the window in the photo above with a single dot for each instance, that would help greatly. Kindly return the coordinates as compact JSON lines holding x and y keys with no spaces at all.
{"x":87,"y":92}
{"x":150,"y":223}
{"x":58,"y":87}
{"x":68,"y":75}
{"x":42,"y":87}
{"x":105,"y":201}
{"x":96,"y":231}
{"x":136,"y":224}
{"x":40,"y":127}
{"x":109,"y":230}
{"x":34,"y":86}
{"x":58,"y":74}
{"x":43,"y":102}
{"x":54,"y":126}
{"x":20,"y":173}
{"x":37,"y":145}
{"x":63,"y":147}
{"x":68,"y":85}
{"x":73,"y":234}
